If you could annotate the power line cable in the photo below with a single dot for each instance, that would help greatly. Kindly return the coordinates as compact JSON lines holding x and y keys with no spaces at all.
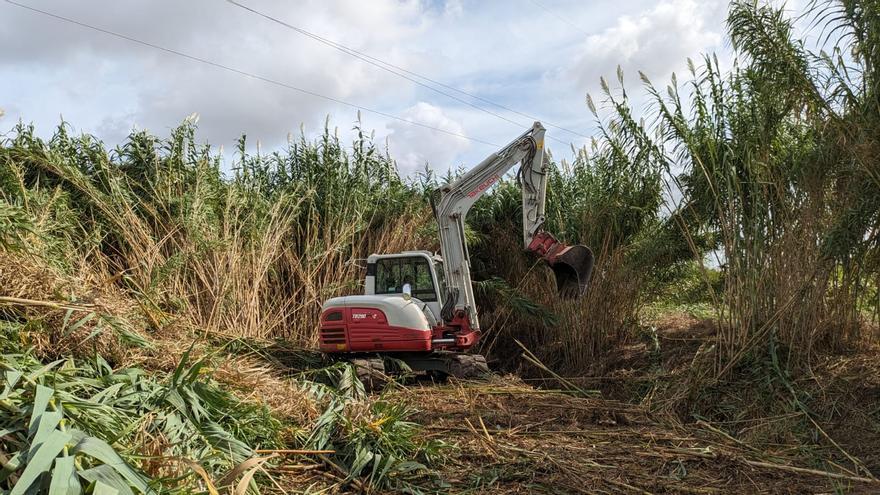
{"x":563,"y":19}
{"x":245,"y":73}
{"x":368,"y":60}
{"x":405,"y":73}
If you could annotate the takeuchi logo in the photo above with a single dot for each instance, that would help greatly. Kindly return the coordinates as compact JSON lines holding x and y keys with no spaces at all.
{"x":484,"y":185}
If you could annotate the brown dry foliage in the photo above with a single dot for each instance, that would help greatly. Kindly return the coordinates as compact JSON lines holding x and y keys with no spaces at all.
{"x":54,"y":303}
{"x":513,"y":438}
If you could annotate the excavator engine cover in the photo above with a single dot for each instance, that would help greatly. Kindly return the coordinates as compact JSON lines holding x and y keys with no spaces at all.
{"x":573,"y":266}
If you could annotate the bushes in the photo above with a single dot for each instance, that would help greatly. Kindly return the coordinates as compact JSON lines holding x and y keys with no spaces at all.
{"x":151,"y":242}
{"x":373,"y":438}
{"x":146,"y":430}
{"x":767,"y":172}
{"x":255,"y":254}
{"x":610,"y":198}
{"x":14,"y":225}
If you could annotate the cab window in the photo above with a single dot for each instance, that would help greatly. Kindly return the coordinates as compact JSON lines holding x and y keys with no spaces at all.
{"x":392,"y":273}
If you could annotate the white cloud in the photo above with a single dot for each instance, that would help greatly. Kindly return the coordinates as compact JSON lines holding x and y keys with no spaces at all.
{"x":453,"y":8}
{"x":656,"y":42}
{"x":103,"y":84}
{"x":513,"y":53}
{"x":414,"y":146}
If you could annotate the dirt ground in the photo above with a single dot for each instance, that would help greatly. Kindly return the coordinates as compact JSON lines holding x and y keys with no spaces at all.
{"x":637,"y":436}
{"x":512,"y":438}
{"x":509,"y":435}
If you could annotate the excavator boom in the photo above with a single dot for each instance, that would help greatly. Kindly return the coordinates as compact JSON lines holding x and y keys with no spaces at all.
{"x":572,"y":265}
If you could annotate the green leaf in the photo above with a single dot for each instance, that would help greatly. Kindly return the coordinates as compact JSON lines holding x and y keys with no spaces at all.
{"x":223,"y":441}
{"x":408,"y":467}
{"x":64,"y":481}
{"x":41,"y":401}
{"x":82,"y":321}
{"x":103,"y":365}
{"x":42,"y":371}
{"x":11,"y":377}
{"x":103,"y":452}
{"x":176,"y":401}
{"x":41,"y":461}
{"x":362,"y":458}
{"x":98,"y":330}
{"x":8,"y":431}
{"x":108,"y":476}
{"x":381,"y":464}
{"x":128,"y":429}
{"x":178,"y":371}
{"x":66,"y":320}
{"x":49,"y":420}
{"x":103,"y":489}
{"x":109,"y":391}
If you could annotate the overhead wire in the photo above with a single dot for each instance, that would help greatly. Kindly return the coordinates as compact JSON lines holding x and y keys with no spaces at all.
{"x":367,"y":59}
{"x":247,"y":74}
{"x":561,"y":18}
{"x":405,"y":73}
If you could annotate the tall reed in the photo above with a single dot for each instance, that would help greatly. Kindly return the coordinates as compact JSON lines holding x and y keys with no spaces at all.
{"x":254,"y":254}
{"x":775,"y":162}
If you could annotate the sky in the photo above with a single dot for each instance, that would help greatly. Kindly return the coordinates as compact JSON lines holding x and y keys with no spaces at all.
{"x":539,"y":58}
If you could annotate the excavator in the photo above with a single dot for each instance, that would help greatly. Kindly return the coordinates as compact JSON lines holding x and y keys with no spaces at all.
{"x":419,"y":307}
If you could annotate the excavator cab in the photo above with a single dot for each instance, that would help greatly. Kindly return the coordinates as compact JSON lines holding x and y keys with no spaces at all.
{"x":421,"y":270}
{"x":393,"y":273}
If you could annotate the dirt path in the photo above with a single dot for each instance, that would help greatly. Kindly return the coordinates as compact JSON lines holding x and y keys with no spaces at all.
{"x":512,"y":438}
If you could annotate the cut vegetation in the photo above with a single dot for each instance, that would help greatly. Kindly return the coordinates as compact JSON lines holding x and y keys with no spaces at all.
{"x":158,"y":317}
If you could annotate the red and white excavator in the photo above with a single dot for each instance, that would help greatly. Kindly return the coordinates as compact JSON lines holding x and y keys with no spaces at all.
{"x":418,"y":307}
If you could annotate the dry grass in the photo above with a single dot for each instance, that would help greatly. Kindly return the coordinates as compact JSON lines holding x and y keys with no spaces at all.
{"x":582,"y":331}
{"x":67,"y":315}
{"x":512,"y":438}
{"x":253,"y":380}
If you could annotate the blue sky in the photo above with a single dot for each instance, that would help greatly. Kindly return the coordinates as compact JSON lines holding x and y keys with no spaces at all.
{"x":539,"y":57}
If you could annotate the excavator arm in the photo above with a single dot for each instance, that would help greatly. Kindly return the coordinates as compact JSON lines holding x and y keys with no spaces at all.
{"x":572,"y":265}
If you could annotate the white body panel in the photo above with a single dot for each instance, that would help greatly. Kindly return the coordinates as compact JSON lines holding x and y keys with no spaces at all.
{"x":399,"y":311}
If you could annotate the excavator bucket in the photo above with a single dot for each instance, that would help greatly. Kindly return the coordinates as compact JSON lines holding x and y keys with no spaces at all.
{"x":573,"y":266}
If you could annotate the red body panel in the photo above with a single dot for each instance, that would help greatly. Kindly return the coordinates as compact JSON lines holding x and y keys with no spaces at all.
{"x":367,"y":330}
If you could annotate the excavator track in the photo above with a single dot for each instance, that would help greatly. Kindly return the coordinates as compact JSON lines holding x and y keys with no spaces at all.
{"x":442,"y":364}
{"x":371,"y":372}
{"x":468,"y":366}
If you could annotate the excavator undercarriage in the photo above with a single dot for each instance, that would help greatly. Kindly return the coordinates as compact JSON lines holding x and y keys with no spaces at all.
{"x":373,"y":372}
